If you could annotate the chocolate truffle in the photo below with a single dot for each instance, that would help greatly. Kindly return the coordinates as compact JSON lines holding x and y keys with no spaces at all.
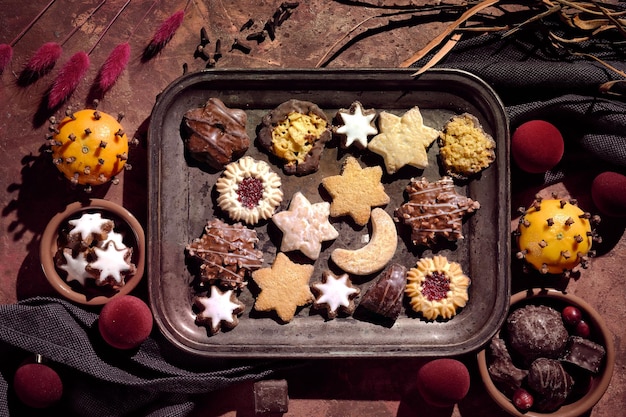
{"x":536,"y":331}
{"x":296,"y":132}
{"x":551,"y":383}
{"x":217,"y":134}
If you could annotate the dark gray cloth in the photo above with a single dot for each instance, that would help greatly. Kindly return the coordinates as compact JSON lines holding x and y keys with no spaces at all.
{"x":153,"y":380}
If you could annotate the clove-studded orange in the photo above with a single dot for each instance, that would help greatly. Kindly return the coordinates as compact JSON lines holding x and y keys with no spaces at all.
{"x":89,"y":147}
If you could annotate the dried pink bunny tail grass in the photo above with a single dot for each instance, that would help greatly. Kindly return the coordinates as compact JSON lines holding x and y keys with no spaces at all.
{"x":113,"y":67}
{"x":163,"y":34}
{"x":68,"y":79}
{"x":44,"y":59}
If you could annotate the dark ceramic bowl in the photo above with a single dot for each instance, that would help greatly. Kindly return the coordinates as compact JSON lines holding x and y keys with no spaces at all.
{"x":599,"y":334}
{"x":125,"y":223}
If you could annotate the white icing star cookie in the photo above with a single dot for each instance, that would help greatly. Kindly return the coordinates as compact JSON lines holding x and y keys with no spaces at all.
{"x":111,"y":265}
{"x":90,"y":226}
{"x":403,"y":140}
{"x":75,"y":267}
{"x":219,"y":309}
{"x":305,"y":226}
{"x":358,"y":125}
{"x":335,"y":294}
{"x":115,"y":238}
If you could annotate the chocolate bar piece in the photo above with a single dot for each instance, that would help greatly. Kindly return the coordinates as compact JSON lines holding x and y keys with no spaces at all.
{"x":584,"y":353}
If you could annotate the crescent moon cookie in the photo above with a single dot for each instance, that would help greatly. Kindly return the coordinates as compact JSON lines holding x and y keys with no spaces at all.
{"x":434,"y":210}
{"x":218,"y":310}
{"x":376,"y":254}
{"x":465,"y":148}
{"x":305,"y":226}
{"x":335,"y":294}
{"x":403,"y":140}
{"x":296,"y":131}
{"x":249,"y":190}
{"x":284,"y":287}
{"x":355,"y":126}
{"x":437,"y":288}
{"x":356,"y":191}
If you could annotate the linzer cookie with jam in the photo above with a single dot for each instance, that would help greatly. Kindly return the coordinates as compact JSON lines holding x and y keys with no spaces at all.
{"x":296,"y":132}
{"x":434,"y":210}
{"x":217,"y":133}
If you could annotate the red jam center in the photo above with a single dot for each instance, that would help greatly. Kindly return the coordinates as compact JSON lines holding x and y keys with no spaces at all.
{"x":436,"y":286}
{"x":250,"y":192}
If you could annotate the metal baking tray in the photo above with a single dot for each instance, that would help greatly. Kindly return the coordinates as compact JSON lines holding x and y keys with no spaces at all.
{"x":182,"y":199}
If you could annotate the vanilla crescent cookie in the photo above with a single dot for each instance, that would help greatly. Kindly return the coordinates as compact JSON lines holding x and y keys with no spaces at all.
{"x":437,"y":288}
{"x":249,"y":190}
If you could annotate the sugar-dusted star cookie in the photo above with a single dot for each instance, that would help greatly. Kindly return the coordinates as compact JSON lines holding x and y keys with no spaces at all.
{"x":356,"y":191}
{"x":218,"y":310}
{"x":284,"y":287}
{"x":111,"y":266}
{"x":305,"y":226}
{"x":403,"y":140}
{"x":335,"y":294}
{"x":356,"y":125}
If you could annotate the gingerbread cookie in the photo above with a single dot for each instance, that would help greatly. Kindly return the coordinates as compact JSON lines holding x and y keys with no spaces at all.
{"x":334,"y":294}
{"x":437,"y":288}
{"x":355,"y":126}
{"x":403,"y":140}
{"x":465,"y":148}
{"x":249,"y":190}
{"x":227,"y":252}
{"x":220,"y":310}
{"x":217,"y":133}
{"x":305,"y":226}
{"x":356,"y":191}
{"x":284,"y":287}
{"x":434,"y":210}
{"x":296,"y":132}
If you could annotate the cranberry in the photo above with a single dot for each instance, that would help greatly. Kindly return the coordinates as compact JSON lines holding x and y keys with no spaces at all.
{"x":571,"y":315}
{"x":582,"y":329}
{"x":523,"y":399}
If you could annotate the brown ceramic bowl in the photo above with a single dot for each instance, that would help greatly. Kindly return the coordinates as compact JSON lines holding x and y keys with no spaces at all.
{"x":599,"y":334}
{"x":125,"y":223}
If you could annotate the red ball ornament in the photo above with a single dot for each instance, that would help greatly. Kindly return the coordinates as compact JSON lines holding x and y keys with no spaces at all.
{"x":37,"y":385}
{"x":443,"y":382}
{"x":537,"y":146}
{"x":608,"y":191}
{"x":125,"y":322}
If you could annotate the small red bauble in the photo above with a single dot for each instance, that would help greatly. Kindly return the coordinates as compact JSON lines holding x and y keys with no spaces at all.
{"x":443,"y":382}
{"x":608,"y":192}
{"x":537,"y":146}
{"x":125,"y":322}
{"x":37,"y":385}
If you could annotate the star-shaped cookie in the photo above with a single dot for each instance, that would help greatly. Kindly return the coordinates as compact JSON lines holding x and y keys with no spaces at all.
{"x":357,"y":125}
{"x":284,"y":287}
{"x":356,"y":191}
{"x":219,"y":309}
{"x":403,"y":140}
{"x":305,"y":226}
{"x":335,"y":294}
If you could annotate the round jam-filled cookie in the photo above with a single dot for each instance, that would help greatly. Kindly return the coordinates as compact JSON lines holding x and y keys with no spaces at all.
{"x":217,"y":133}
{"x":296,"y":132}
{"x":249,"y":190}
{"x":437,"y":288}
{"x":464,"y":146}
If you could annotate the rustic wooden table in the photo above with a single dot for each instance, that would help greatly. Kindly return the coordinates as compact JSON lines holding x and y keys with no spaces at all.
{"x":32,"y":191}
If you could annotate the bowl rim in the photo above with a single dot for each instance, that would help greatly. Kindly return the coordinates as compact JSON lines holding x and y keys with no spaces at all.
{"x":591,"y":398}
{"x":48,"y":247}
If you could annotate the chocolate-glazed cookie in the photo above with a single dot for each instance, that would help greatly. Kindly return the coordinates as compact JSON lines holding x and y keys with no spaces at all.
{"x":296,"y":132}
{"x":552,"y":384}
{"x":537,"y":331}
{"x":217,"y":134}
